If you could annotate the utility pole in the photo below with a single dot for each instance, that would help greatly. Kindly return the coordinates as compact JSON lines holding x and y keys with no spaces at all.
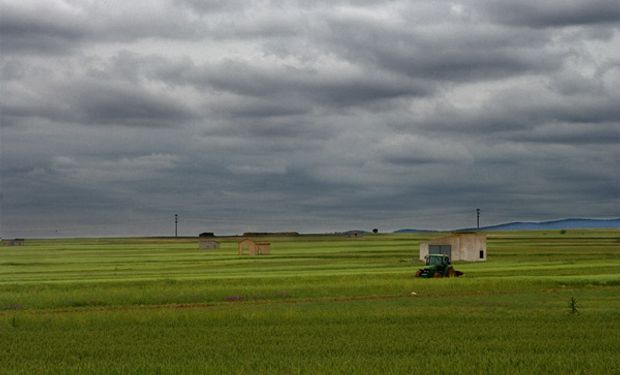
{"x":478,"y":218}
{"x":176,"y":221}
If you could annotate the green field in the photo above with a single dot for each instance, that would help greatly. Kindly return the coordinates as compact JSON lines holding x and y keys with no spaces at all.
{"x":317,"y":304}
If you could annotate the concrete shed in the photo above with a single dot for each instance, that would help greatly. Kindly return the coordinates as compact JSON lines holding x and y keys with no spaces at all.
{"x":208,"y":244}
{"x":354,"y":234}
{"x":263,"y":248}
{"x":469,"y":247}
{"x":254,"y":248}
{"x":13,"y":242}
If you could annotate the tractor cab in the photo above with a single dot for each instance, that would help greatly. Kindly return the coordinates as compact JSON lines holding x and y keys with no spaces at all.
{"x":437,"y":266}
{"x":437,"y":260}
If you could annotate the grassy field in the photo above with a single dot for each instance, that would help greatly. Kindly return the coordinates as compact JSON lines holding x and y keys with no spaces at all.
{"x":318,"y":304}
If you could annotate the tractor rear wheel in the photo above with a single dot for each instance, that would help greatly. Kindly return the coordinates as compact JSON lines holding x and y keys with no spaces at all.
{"x":437,"y":275}
{"x":451,"y":272}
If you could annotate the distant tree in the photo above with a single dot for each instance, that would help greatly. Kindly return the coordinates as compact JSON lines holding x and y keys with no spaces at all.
{"x":375,"y":231}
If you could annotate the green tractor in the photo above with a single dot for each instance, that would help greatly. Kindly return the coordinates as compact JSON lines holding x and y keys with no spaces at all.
{"x":437,"y":266}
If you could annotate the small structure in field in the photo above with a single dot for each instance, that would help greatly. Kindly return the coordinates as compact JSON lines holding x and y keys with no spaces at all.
{"x":470,"y":247}
{"x":14,"y":242}
{"x":206,"y":234}
{"x":206,"y":243}
{"x":254,"y":248}
{"x":354,"y":234}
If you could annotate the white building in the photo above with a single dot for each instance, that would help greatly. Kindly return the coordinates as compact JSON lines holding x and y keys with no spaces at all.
{"x":470,"y":247}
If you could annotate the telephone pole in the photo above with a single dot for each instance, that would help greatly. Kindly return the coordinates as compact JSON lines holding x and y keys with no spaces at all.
{"x":176,"y":221}
{"x":478,"y":218}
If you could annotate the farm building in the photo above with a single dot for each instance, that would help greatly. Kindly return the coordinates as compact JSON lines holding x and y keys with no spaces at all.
{"x":208,"y":244}
{"x":354,"y":234}
{"x":14,"y":242}
{"x":470,"y":247}
{"x":254,"y":248}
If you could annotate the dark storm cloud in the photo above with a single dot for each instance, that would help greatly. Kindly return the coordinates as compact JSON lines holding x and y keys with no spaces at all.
{"x":524,"y":111}
{"x":217,"y":6}
{"x":60,"y":27}
{"x":22,"y":30}
{"x":244,"y":91}
{"x":68,"y":94}
{"x":579,"y":133}
{"x":320,"y":115}
{"x":462,"y":52}
{"x":315,"y":88}
{"x":552,"y":14}
{"x":102,"y":104}
{"x":118,"y":104}
{"x":282,"y":82}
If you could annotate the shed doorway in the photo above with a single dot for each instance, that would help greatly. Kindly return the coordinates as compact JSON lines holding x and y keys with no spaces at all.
{"x":441,"y":249}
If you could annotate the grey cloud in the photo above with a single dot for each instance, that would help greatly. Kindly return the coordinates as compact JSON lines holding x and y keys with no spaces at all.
{"x":522,"y":110}
{"x":571,"y":133}
{"x":139,"y":168}
{"x":41,"y":29}
{"x":330,"y":89}
{"x":92,"y":101}
{"x":63,"y":27}
{"x":264,"y":91}
{"x":120,"y":104}
{"x":209,"y":6}
{"x":551,"y":13}
{"x":456,"y":52}
{"x":259,"y":108}
{"x":305,"y":116}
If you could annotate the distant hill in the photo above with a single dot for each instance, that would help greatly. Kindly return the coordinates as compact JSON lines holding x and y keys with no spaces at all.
{"x":415,"y":231}
{"x":572,"y":223}
{"x":272,"y":234}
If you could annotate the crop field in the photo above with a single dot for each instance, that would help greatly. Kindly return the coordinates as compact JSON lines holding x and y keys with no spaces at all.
{"x":317,"y":304}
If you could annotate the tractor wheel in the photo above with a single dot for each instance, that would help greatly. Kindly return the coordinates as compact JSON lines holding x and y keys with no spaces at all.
{"x":451,"y":272}
{"x":418,"y":273}
{"x":437,"y":275}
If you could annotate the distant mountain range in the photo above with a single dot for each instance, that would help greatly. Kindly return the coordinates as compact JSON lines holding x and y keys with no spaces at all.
{"x":572,"y":223}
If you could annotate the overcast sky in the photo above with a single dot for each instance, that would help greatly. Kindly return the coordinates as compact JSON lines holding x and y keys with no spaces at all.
{"x":305,"y":116}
